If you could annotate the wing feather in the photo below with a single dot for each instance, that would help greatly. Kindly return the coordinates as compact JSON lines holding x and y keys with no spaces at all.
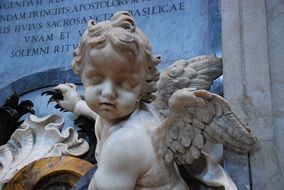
{"x":198,"y":115}
{"x":197,"y":73}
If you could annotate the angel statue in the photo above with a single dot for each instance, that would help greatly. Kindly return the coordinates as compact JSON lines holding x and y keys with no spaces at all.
{"x":146,"y":127}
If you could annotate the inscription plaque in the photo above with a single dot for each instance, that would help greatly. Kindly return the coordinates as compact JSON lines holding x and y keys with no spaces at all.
{"x":38,"y":35}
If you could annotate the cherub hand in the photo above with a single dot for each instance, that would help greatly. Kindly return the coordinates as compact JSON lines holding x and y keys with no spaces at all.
{"x":68,"y":99}
{"x":65,"y":95}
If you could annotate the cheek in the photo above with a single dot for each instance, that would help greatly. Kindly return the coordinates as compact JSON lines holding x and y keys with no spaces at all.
{"x":128,"y":100}
{"x":91,"y":98}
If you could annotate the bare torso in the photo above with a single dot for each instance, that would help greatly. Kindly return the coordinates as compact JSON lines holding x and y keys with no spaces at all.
{"x":127,"y":158}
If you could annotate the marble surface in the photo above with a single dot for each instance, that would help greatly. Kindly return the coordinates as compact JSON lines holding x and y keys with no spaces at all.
{"x":252,"y":43}
{"x":275,"y":17}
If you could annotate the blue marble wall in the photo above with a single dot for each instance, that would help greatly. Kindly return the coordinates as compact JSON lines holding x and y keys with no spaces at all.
{"x":38,"y":36}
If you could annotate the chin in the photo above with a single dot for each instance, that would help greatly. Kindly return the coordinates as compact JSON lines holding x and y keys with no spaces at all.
{"x":108,"y":115}
{"x":112,"y":116}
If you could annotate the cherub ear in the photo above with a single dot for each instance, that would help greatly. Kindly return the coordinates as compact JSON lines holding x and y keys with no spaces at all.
{"x":77,"y":61}
{"x":76,"y":66}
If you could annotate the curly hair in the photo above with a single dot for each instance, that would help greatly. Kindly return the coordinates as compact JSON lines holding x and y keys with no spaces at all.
{"x":123,"y":35}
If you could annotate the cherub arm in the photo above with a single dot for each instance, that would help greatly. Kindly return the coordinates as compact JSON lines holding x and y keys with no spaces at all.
{"x":123,"y":158}
{"x":81,"y":108}
{"x":68,"y":99}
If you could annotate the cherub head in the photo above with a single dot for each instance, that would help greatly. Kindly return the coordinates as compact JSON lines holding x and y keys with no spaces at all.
{"x":116,"y":65}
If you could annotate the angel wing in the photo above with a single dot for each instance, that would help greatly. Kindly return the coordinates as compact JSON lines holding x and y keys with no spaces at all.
{"x":193,"y":115}
{"x":198,"y":115}
{"x":197,"y":73}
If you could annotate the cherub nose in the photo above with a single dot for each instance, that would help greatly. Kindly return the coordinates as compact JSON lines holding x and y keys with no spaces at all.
{"x":108,"y":90}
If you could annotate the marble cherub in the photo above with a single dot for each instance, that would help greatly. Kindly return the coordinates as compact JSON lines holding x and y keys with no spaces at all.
{"x":143,"y":129}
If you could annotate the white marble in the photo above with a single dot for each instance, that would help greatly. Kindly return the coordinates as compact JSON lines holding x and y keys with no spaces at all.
{"x":37,"y":138}
{"x":72,"y":100}
{"x":140,"y":138}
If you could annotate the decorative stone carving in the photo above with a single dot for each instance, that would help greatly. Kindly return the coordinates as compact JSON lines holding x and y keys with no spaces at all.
{"x":140,"y":139}
{"x":68,"y":100}
{"x":38,"y":138}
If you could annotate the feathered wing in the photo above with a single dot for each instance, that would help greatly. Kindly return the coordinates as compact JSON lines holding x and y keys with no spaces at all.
{"x":198,"y":115}
{"x":198,"y":73}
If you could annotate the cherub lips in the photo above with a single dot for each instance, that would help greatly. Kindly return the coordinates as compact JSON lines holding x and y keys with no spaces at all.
{"x":107,"y":104}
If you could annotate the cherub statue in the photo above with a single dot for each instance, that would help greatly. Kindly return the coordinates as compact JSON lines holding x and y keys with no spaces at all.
{"x":142,"y":139}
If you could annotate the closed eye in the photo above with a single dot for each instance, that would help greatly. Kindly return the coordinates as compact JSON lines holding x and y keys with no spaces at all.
{"x":94,"y":76}
{"x":129,"y":83}
{"x":98,"y":79}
